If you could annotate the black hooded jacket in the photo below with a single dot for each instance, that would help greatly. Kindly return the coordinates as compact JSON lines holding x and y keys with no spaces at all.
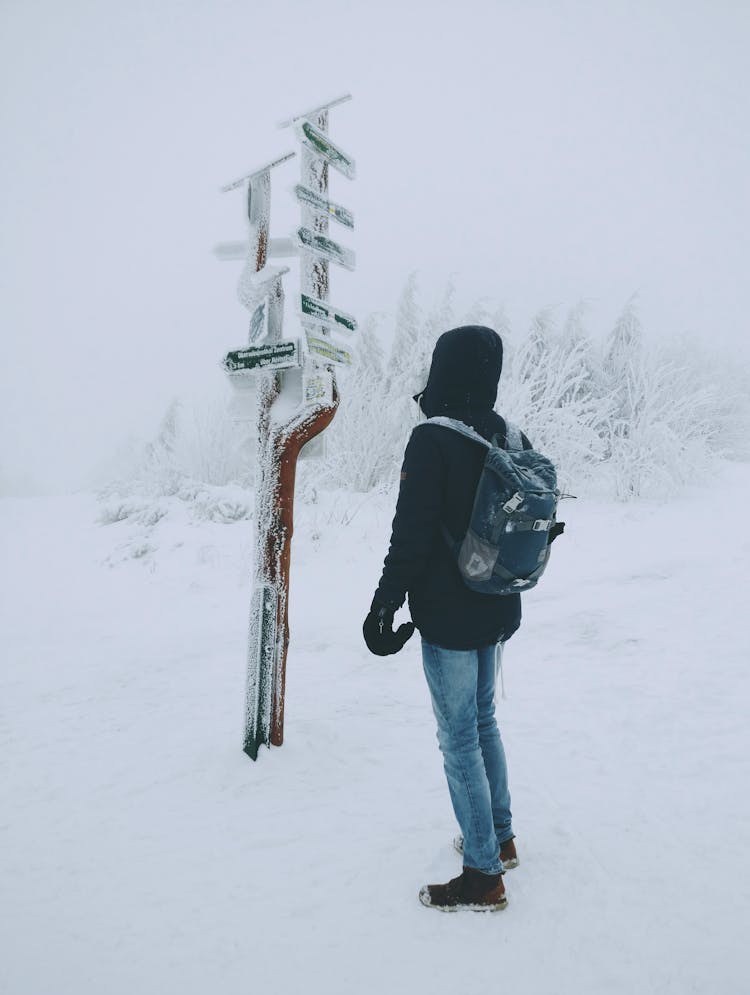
{"x":439,"y":477}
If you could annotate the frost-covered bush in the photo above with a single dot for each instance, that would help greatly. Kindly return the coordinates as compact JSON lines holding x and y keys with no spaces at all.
{"x":147,"y":513}
{"x":366,"y":440}
{"x":358,"y":452}
{"x":198,"y":443}
{"x":621,"y":416}
{"x":553,"y":388}
{"x":199,"y":456}
{"x":674,"y":411}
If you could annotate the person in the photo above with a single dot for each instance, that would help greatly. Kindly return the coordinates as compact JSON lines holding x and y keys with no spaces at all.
{"x":462,"y":631}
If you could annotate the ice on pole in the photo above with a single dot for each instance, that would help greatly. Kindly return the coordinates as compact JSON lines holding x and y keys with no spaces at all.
{"x":263,"y":613}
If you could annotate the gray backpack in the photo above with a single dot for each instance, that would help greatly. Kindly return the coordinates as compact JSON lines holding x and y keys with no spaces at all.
{"x":506,"y":547}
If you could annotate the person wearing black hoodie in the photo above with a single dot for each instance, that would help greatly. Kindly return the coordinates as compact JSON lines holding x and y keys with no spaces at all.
{"x":462,"y":631}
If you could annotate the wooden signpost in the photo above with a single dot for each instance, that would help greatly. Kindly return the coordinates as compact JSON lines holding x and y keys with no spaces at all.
{"x":297,"y":394}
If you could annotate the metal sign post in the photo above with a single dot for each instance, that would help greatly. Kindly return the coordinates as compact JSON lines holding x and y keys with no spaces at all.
{"x":297,"y":393}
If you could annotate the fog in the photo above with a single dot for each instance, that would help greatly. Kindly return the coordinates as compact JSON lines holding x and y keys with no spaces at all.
{"x":538,"y":153}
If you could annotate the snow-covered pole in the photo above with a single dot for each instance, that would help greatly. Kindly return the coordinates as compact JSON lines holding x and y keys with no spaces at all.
{"x":320,"y":405}
{"x":294,"y":406}
{"x":261,"y":290}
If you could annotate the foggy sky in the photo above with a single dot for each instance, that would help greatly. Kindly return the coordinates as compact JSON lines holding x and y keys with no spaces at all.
{"x":540,"y":152}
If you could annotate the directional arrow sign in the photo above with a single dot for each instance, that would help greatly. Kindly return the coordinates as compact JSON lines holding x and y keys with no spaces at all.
{"x":277,"y":248}
{"x":321,"y":145}
{"x":316,"y":110}
{"x":326,"y":248}
{"x":256,"y":172}
{"x":306,"y":196}
{"x":328,"y":350}
{"x":276,"y":355}
{"x":262,"y":294}
{"x":324,"y":314}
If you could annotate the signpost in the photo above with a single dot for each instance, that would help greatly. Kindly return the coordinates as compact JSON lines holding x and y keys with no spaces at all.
{"x":297,"y":394}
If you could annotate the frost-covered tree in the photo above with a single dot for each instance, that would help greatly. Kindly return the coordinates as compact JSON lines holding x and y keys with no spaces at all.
{"x":358,"y":454}
{"x":197,"y":442}
{"x":550,"y":389}
{"x":623,"y":417}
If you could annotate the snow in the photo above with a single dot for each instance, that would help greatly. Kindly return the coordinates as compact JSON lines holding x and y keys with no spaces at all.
{"x":141,"y":851}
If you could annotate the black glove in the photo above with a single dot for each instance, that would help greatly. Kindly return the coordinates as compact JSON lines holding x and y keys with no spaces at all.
{"x":557,"y":530}
{"x":378,"y":631}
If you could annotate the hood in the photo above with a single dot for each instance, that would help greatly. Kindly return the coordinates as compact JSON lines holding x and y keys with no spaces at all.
{"x":464,"y":373}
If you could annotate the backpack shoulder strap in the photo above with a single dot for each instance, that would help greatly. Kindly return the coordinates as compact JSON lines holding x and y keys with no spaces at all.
{"x":458,"y":426}
{"x":513,"y":438}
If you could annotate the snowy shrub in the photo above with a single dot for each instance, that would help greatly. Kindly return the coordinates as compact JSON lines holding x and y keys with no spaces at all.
{"x":367,"y":438}
{"x":620,"y":417}
{"x":227,"y":504}
{"x":551,"y":387}
{"x":143,"y":513}
{"x":666,"y":425}
{"x":197,"y":450}
{"x":358,"y":454}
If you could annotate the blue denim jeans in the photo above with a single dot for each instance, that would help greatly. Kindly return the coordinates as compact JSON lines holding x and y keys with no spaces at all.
{"x":462,"y":686}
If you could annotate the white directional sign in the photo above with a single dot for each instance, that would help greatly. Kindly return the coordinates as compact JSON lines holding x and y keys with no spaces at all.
{"x":316,"y":110}
{"x":328,"y":351}
{"x":311,"y":199}
{"x":277,"y":248}
{"x":317,"y":386}
{"x":257,"y":172}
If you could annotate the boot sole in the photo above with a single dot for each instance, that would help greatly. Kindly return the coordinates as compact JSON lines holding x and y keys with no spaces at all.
{"x":508,"y":865}
{"x":496,"y":907}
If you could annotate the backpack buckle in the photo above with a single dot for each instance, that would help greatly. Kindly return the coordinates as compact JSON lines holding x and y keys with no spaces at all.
{"x":512,"y":504}
{"x":542,"y":525}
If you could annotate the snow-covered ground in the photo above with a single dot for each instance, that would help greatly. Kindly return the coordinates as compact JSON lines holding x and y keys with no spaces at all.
{"x":142,"y":852}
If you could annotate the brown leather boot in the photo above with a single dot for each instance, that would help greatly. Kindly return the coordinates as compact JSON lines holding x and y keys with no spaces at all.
{"x":471,"y":890}
{"x":508,"y":854}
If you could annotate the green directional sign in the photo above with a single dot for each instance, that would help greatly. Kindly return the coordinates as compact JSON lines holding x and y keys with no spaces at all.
{"x":276,"y":355}
{"x":322,"y":145}
{"x":327,"y":350}
{"x":325,"y":314}
{"x":326,"y":248}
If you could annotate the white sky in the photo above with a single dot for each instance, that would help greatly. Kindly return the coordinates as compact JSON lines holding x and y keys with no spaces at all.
{"x":540,"y":152}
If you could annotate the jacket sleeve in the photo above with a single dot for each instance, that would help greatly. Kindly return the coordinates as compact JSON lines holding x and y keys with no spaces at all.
{"x":417,"y":523}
